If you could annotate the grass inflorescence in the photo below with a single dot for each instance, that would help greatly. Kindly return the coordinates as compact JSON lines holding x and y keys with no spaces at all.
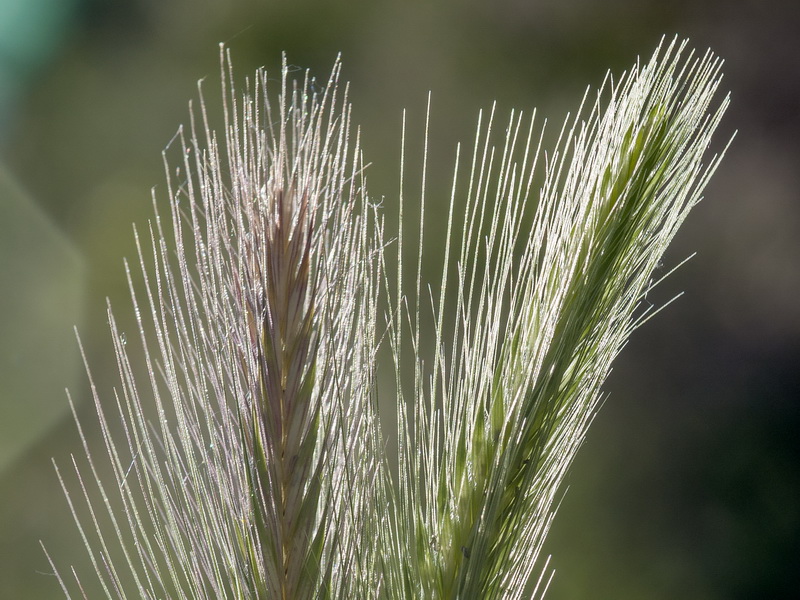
{"x":252,"y":462}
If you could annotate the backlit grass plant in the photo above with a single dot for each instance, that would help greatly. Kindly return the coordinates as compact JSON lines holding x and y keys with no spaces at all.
{"x":251,"y":461}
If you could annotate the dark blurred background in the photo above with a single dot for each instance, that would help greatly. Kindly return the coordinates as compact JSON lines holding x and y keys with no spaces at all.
{"x":689,"y":483}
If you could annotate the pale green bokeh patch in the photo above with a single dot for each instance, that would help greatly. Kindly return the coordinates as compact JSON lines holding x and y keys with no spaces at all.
{"x":42,"y":282}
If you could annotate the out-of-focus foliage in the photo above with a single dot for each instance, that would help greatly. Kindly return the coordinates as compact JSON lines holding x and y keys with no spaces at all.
{"x":43,"y":279}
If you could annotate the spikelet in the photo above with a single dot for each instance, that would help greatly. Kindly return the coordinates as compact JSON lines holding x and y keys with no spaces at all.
{"x":259,"y":357}
{"x":549,"y":286}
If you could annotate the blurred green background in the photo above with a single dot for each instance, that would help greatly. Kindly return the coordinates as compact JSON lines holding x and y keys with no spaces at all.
{"x":689,"y":483}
